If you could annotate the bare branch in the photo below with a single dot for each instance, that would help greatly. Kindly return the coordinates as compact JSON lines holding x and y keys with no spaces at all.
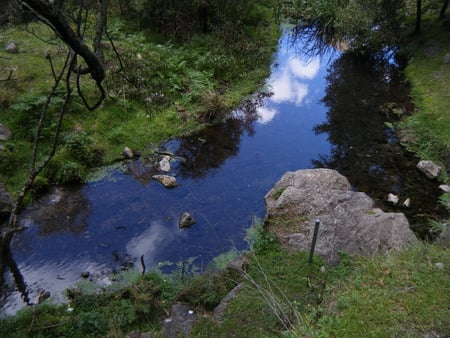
{"x":53,"y":17}
{"x":34,"y":172}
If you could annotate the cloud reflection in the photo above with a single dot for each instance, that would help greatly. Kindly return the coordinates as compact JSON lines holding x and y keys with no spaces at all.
{"x":152,"y":241}
{"x":289,"y":83}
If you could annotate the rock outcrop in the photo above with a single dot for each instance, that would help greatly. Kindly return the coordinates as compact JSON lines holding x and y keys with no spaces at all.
{"x":349,"y":220}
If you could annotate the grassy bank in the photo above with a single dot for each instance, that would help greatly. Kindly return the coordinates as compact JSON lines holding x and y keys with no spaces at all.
{"x":165,"y":88}
{"x":427,"y":131}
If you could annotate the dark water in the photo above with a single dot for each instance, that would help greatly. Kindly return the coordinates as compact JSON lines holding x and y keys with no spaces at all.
{"x":325,"y":111}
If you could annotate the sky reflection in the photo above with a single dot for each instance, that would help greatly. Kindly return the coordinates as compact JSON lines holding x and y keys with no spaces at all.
{"x":290,"y":81}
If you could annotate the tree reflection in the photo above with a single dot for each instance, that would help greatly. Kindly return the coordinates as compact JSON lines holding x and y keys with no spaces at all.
{"x":212,"y":146}
{"x":7,"y":262}
{"x":63,"y":210}
{"x":360,"y":95}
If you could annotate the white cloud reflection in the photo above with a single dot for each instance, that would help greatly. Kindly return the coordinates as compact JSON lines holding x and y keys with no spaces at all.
{"x":152,"y":240}
{"x":289,"y":83}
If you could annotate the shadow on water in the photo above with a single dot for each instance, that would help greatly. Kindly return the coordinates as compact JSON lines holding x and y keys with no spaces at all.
{"x":326,"y":109}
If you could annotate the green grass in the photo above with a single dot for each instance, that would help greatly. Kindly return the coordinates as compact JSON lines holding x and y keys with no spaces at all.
{"x":402,"y":294}
{"x":429,"y":77}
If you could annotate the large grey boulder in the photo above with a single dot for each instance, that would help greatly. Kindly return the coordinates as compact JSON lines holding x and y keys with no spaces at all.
{"x":349,"y":220}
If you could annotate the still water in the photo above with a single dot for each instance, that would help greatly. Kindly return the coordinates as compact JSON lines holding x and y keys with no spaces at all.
{"x":323,"y":111}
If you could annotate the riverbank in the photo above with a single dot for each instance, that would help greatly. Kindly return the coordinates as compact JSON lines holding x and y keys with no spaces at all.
{"x":165,"y":88}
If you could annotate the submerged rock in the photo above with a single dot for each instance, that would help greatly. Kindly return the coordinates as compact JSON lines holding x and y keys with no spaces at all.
{"x":186,"y":220}
{"x":429,"y":168}
{"x":349,"y":220}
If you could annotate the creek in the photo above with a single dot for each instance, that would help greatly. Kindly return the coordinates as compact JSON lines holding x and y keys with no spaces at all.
{"x":325,"y":110}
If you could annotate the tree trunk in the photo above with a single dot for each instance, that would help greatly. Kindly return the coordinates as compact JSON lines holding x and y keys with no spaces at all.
{"x":418,"y":16}
{"x":443,"y":9}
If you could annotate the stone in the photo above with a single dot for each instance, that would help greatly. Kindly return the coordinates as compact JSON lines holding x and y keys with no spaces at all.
{"x":164,"y":164}
{"x":350,"y":222}
{"x":186,"y":220}
{"x":392,"y":199}
{"x":5,"y":134}
{"x":128,"y":153}
{"x":439,"y":265}
{"x":180,"y":322}
{"x":445,"y":188}
{"x":219,"y":310}
{"x":11,"y":47}
{"x":429,"y":168}
{"x":166,"y":180}
{"x":406,"y":203}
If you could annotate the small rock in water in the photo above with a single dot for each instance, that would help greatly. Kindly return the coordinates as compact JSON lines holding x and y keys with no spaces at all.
{"x":166,"y":180}
{"x":164,"y":164}
{"x":407,"y":203}
{"x":392,"y":199}
{"x":186,"y":220}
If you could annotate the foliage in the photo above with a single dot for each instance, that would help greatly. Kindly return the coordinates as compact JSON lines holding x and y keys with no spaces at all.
{"x":184,"y":18}
{"x":206,"y":290}
{"x":259,"y":239}
{"x":366,"y":25}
